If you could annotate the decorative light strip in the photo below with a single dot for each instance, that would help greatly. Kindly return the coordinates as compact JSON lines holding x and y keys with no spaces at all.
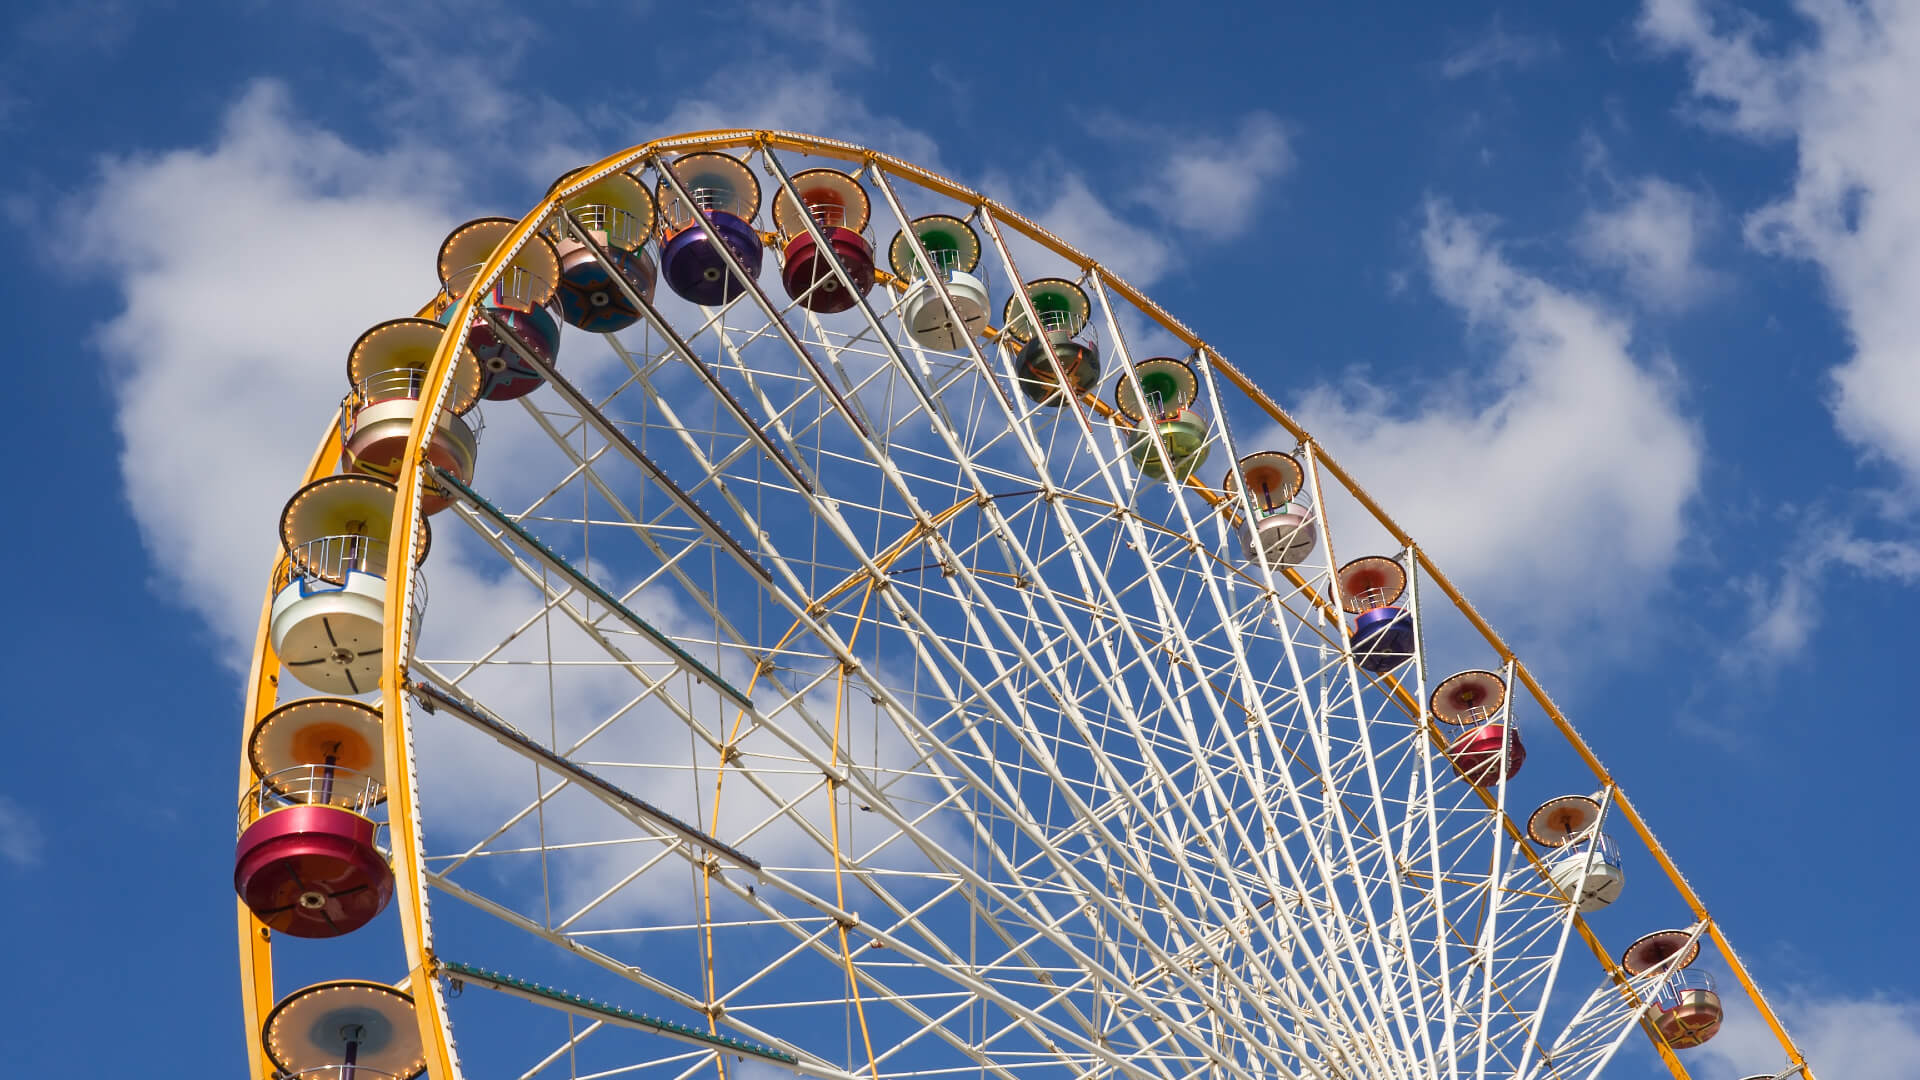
{"x":533,"y":991}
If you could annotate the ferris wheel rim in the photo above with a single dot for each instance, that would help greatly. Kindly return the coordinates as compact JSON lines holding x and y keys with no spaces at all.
{"x":400,"y":614}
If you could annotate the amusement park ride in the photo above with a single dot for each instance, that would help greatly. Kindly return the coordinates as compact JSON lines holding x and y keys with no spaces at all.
{"x":963,"y":725}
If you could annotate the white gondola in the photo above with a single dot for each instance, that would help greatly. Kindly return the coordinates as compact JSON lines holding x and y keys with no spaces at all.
{"x":955,"y":250}
{"x":1589,"y":869}
{"x":1582,"y":863}
{"x":330,"y":587}
{"x":1282,"y":527}
{"x":926,"y":317}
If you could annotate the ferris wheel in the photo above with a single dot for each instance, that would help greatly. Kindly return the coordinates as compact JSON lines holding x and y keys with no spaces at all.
{"x":920,"y":657}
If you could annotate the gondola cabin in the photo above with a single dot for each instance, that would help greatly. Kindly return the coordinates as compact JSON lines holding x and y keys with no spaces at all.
{"x":725,"y":198}
{"x":952,"y":256}
{"x":346,"y":1029}
{"x":1687,"y":1010}
{"x":1382,"y":633}
{"x":1686,"y":1003}
{"x":1591,"y":870}
{"x":1583,"y":863}
{"x":615,"y":214}
{"x":1281,"y":530}
{"x":1468,"y":698}
{"x":516,"y":313}
{"x":1167,"y":434}
{"x":1491,"y":749}
{"x":1064,"y":346}
{"x":330,"y":587}
{"x":1488,"y":754}
{"x":840,"y":209}
{"x":386,"y":369}
{"x":308,"y":862}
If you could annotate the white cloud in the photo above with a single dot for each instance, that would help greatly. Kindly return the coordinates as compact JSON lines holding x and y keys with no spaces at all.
{"x":1232,"y":172}
{"x":20,"y":840}
{"x":1498,"y":48}
{"x":238,"y":274}
{"x":246,"y":269}
{"x":1786,"y":607}
{"x":1652,"y":237}
{"x":1782,"y":615}
{"x":448,"y":70}
{"x":823,"y":25}
{"x":1844,"y":98}
{"x":1546,"y":482}
{"x":1083,"y":219}
{"x":1209,"y":184}
{"x":810,"y":100}
{"x":1867,"y":1037}
{"x":1213,"y":185}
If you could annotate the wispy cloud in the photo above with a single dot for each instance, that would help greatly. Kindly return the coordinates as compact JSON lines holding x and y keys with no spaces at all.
{"x":20,"y":840}
{"x":449,"y":74}
{"x":211,"y":376}
{"x":1547,"y":480}
{"x":217,"y":397}
{"x":1075,"y":212}
{"x":1651,"y":235}
{"x":1496,"y":48}
{"x":810,"y":99}
{"x":1208,"y":183}
{"x":98,"y":27}
{"x":1844,"y":98}
{"x":1785,"y":607}
{"x":826,"y":27}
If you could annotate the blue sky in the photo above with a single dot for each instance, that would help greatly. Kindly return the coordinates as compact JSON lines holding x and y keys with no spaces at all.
{"x":1610,"y":306}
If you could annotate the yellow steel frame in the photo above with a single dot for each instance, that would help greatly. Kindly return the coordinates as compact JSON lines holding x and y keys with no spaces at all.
{"x":256,"y":941}
{"x":256,"y":966}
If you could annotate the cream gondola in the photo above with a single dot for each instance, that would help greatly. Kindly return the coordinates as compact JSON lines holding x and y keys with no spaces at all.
{"x":1281,"y":529}
{"x":346,"y":1029}
{"x":330,"y":587}
{"x":1584,"y":862}
{"x":954,"y":250}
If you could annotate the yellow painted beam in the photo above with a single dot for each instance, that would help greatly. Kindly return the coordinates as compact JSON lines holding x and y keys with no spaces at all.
{"x":263,"y":689}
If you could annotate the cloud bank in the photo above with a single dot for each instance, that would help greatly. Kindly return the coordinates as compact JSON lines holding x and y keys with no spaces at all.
{"x":1842,"y":97}
{"x":1543,"y":483}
